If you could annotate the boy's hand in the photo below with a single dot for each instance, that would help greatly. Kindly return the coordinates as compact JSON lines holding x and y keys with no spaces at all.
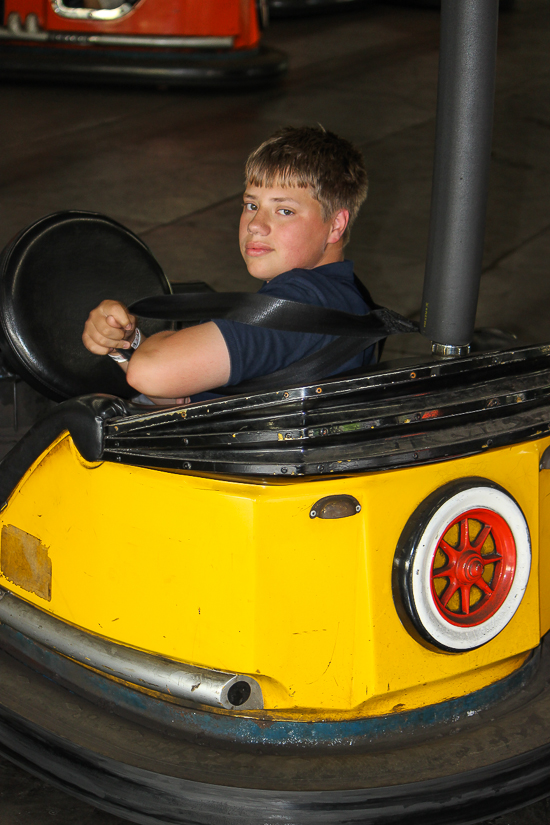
{"x":109,"y":326}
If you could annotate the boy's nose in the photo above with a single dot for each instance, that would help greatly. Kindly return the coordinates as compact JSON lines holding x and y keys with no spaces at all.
{"x":257,"y":225}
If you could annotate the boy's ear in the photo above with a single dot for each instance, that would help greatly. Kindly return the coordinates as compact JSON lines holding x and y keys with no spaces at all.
{"x":339,"y":223}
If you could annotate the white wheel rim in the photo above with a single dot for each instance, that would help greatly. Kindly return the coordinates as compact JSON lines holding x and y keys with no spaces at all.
{"x":443,"y":632}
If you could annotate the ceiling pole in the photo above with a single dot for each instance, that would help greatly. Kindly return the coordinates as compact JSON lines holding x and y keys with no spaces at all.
{"x":465,"y":100}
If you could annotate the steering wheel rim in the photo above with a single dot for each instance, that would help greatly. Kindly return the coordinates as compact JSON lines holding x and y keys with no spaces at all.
{"x":51,"y":275}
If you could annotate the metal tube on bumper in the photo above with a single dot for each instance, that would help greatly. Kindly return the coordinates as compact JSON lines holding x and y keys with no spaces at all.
{"x":204,"y":686}
{"x":461,"y":170}
{"x":31,"y":31}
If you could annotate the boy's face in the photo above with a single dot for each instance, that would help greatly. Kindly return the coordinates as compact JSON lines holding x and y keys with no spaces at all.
{"x":282,"y":228}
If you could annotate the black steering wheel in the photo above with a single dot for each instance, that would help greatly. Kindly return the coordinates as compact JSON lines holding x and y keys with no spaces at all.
{"x":51,"y":275}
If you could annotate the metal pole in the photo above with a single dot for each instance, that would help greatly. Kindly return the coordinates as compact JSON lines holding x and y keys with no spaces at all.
{"x":465,"y":101}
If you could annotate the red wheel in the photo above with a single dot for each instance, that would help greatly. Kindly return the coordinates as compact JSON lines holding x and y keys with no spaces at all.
{"x":463,"y":564}
{"x":473,"y":567}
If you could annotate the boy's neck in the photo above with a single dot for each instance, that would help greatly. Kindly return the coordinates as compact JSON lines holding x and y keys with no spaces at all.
{"x":324,"y":262}
{"x":334,"y":253}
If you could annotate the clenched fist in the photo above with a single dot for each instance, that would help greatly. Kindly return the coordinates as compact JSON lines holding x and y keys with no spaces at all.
{"x":109,"y":326}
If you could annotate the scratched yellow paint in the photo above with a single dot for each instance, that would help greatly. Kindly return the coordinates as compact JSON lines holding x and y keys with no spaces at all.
{"x":236,"y":576}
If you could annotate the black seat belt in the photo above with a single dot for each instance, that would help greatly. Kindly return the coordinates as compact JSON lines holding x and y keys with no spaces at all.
{"x":355,"y":332}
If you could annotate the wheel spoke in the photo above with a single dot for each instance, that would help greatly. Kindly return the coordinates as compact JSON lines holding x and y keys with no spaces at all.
{"x":465,"y":598}
{"x":464,"y":541}
{"x":451,"y":552}
{"x":482,"y":536}
{"x":449,"y":592}
{"x":494,"y":558}
{"x":482,"y":584}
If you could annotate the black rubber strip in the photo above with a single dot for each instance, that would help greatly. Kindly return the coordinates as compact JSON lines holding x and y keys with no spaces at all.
{"x":273,"y":313}
{"x":485,"y":766}
{"x":82,"y":417}
{"x":156,"y":799}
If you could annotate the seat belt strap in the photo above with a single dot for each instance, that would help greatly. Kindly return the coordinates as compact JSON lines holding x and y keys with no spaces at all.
{"x":356,"y":333}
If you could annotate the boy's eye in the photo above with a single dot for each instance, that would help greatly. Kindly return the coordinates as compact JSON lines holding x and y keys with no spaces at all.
{"x":286,"y":211}
{"x":250,"y":207}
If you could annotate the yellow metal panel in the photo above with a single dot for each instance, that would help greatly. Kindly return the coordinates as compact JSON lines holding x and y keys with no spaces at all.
{"x":237,"y":576}
{"x":309,"y":573}
{"x":544,"y":544}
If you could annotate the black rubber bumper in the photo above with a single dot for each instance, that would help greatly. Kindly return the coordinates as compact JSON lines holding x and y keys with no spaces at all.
{"x":141,"y":66}
{"x":487,"y":767}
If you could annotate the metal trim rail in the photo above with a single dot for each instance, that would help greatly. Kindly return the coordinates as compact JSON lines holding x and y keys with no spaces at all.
{"x":31,"y":31}
{"x":139,"y":669}
{"x":377,"y":421}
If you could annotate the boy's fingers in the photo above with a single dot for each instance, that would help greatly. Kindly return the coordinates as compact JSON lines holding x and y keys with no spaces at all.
{"x":109,"y":326}
{"x":94,"y":347}
{"x":117,"y":315}
{"x":117,"y":342}
{"x":126,"y":330}
{"x":102,"y":333}
{"x":103,"y":343}
{"x":116,"y":324}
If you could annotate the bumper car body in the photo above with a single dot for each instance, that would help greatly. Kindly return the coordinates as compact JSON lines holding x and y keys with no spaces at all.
{"x":316,"y":650}
{"x":161,"y":43}
{"x":323,"y":602}
{"x":250,"y":637}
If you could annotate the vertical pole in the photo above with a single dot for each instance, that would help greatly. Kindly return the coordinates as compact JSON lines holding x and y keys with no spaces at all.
{"x":465,"y":101}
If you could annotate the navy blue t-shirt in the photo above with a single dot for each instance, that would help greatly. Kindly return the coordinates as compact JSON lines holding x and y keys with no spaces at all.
{"x":256,"y":351}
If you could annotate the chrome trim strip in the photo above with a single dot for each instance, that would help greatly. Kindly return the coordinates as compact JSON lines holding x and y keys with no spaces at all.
{"x":15,"y":30}
{"x":137,"y":668}
{"x":160,"y":42}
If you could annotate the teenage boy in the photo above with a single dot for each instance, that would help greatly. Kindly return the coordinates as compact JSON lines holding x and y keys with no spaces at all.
{"x":304,"y":188}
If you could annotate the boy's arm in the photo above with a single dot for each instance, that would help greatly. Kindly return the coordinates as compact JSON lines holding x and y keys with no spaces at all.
{"x":175,"y":364}
{"x":166,"y":365}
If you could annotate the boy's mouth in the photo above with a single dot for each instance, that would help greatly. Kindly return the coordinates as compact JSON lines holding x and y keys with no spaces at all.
{"x":257,"y":249}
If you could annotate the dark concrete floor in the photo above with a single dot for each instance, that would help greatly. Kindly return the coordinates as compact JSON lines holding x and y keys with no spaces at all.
{"x":169,"y":165}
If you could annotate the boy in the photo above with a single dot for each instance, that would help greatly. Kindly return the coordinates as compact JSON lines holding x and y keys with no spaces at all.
{"x":304,"y":188}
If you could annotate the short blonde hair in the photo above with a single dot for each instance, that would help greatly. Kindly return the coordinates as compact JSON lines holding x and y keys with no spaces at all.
{"x":311,"y":157}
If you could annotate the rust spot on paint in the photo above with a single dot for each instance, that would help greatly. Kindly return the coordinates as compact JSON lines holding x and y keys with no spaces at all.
{"x":25,"y":562}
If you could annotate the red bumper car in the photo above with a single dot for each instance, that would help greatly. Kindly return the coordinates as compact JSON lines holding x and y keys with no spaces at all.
{"x":156,"y":42}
